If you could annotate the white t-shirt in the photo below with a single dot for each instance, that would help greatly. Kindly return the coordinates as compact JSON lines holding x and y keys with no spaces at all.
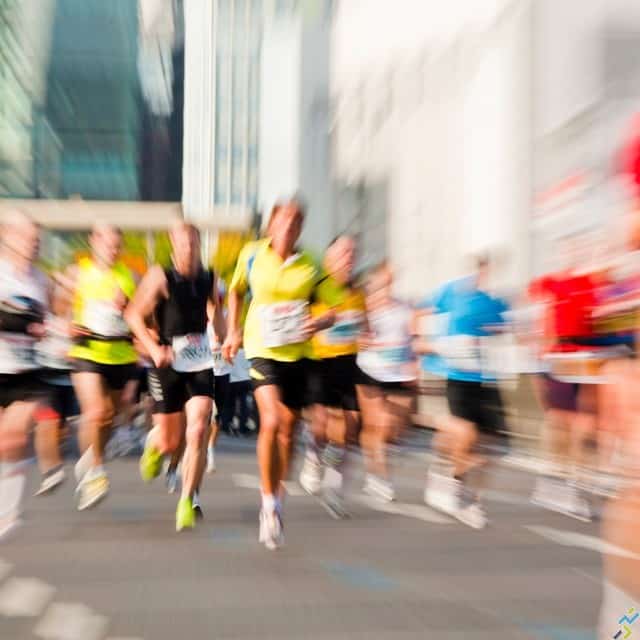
{"x":390,"y":358}
{"x":17,"y":350}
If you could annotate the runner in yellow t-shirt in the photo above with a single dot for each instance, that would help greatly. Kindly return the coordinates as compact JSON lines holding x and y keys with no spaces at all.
{"x":333,"y":378}
{"x":282,"y":282}
{"x":103,"y":355}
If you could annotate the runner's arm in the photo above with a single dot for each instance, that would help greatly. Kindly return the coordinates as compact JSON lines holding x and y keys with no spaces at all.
{"x":215,"y":315}
{"x":235,"y":300}
{"x":152,"y":289}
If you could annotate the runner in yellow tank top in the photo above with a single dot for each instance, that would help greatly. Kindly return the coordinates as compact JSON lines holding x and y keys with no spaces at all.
{"x":282,"y":283}
{"x":334,"y":373}
{"x":104,"y":357}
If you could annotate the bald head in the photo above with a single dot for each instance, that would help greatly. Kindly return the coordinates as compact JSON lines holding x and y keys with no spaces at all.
{"x":106,"y":243}
{"x":185,"y":246}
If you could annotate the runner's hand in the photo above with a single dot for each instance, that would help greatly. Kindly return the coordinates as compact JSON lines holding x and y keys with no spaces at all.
{"x":37,"y":330}
{"x":232,"y":345}
{"x":162,"y":356}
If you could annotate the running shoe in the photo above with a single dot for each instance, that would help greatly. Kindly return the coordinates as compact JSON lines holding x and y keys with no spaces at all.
{"x":93,"y":488}
{"x":473,"y":515}
{"x":561,"y":497}
{"x":211,"y":460}
{"x":379,"y":488}
{"x":311,"y":474}
{"x":83,"y":465}
{"x":185,"y":515}
{"x":195,"y":501}
{"x":333,"y":502}
{"x":271,"y":530}
{"x":441,"y":492}
{"x":150,"y":461}
{"x":172,"y":480}
{"x":51,"y":480}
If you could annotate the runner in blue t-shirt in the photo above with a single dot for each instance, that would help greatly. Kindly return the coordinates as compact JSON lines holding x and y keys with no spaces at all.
{"x":468,"y":316}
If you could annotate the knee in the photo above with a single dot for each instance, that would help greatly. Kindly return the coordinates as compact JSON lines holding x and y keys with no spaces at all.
{"x":197,"y":431}
{"x":269,"y":425}
{"x":101,"y":416}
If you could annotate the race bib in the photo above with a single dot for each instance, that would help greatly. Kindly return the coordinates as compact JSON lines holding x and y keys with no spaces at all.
{"x":345,"y":330}
{"x":192,"y":353}
{"x":282,"y":323}
{"x":104,"y":319}
{"x":462,"y":352}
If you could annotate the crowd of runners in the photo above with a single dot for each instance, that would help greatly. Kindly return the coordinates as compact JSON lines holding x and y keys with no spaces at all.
{"x":312,"y":350}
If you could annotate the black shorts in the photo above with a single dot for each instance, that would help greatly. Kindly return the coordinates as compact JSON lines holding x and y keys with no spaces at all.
{"x":332,"y":382}
{"x":60,"y":402}
{"x":115,"y":376}
{"x":478,"y":403}
{"x":289,"y":377}
{"x":221,"y":391}
{"x":172,"y":389}
{"x":21,"y":387}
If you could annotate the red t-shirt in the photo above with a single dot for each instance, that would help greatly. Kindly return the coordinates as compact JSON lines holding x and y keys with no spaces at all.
{"x":572,"y":299}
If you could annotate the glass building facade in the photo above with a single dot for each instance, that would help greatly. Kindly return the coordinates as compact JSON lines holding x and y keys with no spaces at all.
{"x":90,"y":103}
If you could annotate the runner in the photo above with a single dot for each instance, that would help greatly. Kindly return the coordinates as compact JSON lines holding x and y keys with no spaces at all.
{"x":23,"y":302}
{"x":181,"y":300}
{"x":386,"y":388}
{"x":570,"y":393}
{"x":334,"y":373}
{"x":476,"y":412}
{"x":283,"y":281}
{"x":103,"y":354}
{"x":52,"y":355}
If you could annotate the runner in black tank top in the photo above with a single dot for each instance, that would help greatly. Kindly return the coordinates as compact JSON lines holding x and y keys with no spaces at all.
{"x":181,"y":300}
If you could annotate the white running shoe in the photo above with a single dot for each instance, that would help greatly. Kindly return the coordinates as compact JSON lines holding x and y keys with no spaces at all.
{"x":379,"y":488}
{"x":93,"y":488}
{"x":473,"y":515}
{"x":51,"y":480}
{"x":83,"y":465}
{"x":561,"y":497}
{"x":333,"y":502}
{"x":271,"y":530}
{"x":442,"y":492}
{"x":211,"y":460}
{"x":311,"y":474}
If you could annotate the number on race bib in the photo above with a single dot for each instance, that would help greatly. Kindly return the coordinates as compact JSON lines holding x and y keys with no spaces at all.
{"x":192,"y":352}
{"x":282,"y":323}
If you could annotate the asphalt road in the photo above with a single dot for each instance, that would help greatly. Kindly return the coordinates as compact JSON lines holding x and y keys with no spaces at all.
{"x":120,"y":571}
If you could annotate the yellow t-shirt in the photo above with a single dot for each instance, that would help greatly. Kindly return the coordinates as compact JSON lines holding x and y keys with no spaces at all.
{"x":280,"y":295}
{"x":349,"y":306}
{"x":93,"y":308}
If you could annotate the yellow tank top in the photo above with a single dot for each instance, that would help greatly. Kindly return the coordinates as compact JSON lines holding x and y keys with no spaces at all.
{"x":95,"y":307}
{"x":349,"y":306}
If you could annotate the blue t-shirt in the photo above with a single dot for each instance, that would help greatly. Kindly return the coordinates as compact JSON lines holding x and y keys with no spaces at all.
{"x":470,"y":312}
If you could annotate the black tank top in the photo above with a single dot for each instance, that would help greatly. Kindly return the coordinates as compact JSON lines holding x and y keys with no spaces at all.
{"x":185,"y":310}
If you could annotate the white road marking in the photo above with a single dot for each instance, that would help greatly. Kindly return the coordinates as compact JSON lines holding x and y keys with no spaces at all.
{"x":249,"y":481}
{"x":24,"y":597}
{"x":71,"y":621}
{"x":582,"y":541}
{"x":417,"y":511}
{"x":5,"y":569}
